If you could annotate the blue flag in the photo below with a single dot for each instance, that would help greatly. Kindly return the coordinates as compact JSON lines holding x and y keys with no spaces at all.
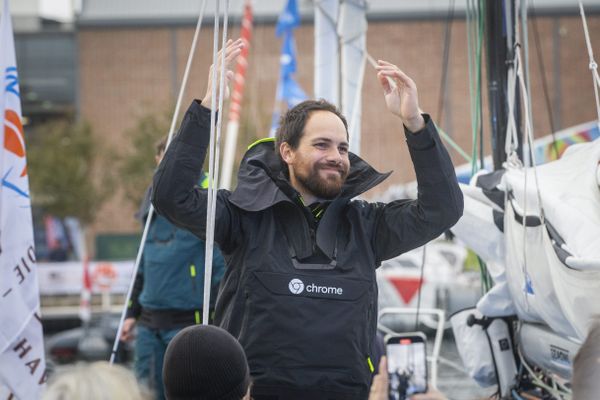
{"x":288,"y":89}
{"x":292,"y":92}
{"x":288,"y":55}
{"x":288,"y":19}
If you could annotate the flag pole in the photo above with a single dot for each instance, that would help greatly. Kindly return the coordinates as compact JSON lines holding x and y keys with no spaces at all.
{"x":235,"y":105}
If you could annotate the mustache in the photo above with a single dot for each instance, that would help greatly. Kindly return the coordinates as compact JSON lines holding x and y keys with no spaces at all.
{"x":343,"y":170}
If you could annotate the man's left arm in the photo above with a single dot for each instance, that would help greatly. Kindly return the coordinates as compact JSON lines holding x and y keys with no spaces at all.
{"x":404,"y":225}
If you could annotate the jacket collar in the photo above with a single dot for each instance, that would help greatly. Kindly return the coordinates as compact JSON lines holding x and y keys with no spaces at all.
{"x":262,"y":183}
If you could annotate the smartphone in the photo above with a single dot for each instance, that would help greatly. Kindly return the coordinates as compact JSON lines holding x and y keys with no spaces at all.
{"x":406,"y":364}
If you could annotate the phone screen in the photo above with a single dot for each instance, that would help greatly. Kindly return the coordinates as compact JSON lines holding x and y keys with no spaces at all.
{"x":407,"y":366}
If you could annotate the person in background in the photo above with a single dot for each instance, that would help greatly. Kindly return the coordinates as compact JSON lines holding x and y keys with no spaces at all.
{"x":96,"y":381}
{"x":168,"y":290}
{"x":205,"y":362}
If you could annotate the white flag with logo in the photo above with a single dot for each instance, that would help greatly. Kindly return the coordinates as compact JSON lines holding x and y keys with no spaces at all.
{"x":22,"y":362}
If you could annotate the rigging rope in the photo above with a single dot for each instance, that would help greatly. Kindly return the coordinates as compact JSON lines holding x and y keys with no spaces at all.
{"x":214,"y":145}
{"x":475,"y":33}
{"x":516,"y":78}
{"x":593,"y":64}
{"x":151,"y":209}
{"x":423,"y":261}
{"x":538,"y":380}
{"x":443,"y":134}
{"x":542,"y":67}
{"x":475,"y":24}
{"x":446,"y":57}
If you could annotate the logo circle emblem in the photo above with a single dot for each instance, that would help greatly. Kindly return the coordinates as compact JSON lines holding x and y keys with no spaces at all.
{"x":296,"y":286}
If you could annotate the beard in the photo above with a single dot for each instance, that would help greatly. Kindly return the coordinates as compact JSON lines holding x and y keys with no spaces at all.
{"x":324,"y":188}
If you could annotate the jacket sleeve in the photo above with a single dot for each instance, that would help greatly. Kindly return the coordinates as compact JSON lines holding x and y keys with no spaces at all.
{"x":218,"y":268}
{"x":403,"y":225}
{"x":175,"y":194}
{"x":134,"y":308}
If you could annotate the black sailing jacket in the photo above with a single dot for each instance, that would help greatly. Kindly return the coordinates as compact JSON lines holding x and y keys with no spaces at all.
{"x":306,"y":328}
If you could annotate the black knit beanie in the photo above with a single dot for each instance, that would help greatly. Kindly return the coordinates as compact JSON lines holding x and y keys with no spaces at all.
{"x":205,"y":362}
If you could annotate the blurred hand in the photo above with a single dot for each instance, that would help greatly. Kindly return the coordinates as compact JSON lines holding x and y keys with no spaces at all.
{"x":401,"y":96}
{"x":128,"y":328}
{"x":432,"y":394}
{"x":232,"y":50}
{"x":379,"y":388}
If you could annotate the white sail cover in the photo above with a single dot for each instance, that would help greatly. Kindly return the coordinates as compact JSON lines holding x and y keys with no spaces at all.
{"x":548,"y":269}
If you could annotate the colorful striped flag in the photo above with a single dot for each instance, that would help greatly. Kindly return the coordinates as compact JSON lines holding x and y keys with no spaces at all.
{"x":236,"y":98}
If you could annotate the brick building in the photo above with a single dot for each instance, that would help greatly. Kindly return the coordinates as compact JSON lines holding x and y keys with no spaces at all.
{"x":131,"y":58}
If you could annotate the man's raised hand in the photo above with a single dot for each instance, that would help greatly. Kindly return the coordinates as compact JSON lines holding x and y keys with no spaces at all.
{"x":400,"y":94}
{"x":232,"y":51}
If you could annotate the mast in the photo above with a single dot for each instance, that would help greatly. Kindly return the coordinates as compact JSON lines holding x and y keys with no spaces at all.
{"x":500,"y":42}
{"x":327,"y":51}
{"x":353,"y":34}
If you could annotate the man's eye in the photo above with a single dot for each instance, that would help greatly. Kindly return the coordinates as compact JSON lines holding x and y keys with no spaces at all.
{"x":343,"y":150}
{"x":321,"y":145}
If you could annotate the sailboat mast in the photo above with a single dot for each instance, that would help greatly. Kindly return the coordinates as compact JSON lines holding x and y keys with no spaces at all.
{"x":500,"y":41}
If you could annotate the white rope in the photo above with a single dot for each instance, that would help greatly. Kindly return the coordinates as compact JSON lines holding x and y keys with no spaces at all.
{"x":515,"y":74}
{"x":214,"y":145}
{"x":512,"y":141}
{"x":525,"y":41}
{"x":593,"y":64}
{"x":563,"y":392}
{"x":138,"y":258}
{"x":529,"y":133}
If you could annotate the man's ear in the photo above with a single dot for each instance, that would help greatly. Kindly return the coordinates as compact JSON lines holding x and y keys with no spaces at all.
{"x":286,"y":152}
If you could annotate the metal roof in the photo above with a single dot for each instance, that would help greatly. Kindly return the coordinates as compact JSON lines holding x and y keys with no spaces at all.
{"x":140,"y":12}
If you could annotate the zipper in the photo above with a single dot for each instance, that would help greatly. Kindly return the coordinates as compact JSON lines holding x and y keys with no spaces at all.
{"x":313,"y":240}
{"x":244,"y":326}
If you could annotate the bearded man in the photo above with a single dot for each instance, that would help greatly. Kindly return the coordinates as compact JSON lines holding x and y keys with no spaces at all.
{"x":299,"y":292}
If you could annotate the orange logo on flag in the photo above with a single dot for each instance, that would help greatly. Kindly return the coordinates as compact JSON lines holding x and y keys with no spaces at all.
{"x":14,"y":139}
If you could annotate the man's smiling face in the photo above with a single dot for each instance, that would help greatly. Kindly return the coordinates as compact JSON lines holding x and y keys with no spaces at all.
{"x":319,"y":165}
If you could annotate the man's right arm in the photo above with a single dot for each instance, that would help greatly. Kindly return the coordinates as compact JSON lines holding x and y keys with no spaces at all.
{"x":175,"y":193}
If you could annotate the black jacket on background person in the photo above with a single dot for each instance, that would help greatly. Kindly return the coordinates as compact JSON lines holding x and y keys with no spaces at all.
{"x":301,"y":296}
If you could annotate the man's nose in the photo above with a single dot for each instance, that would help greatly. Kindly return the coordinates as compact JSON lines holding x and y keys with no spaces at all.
{"x":334,"y":156}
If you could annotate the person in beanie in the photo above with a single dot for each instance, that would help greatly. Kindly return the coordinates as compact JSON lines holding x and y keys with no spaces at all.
{"x":204,"y":362}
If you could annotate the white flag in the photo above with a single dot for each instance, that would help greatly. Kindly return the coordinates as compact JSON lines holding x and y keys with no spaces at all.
{"x":22,"y":362}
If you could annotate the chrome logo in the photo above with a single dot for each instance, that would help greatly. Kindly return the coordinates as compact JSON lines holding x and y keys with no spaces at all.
{"x":296,"y":286}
